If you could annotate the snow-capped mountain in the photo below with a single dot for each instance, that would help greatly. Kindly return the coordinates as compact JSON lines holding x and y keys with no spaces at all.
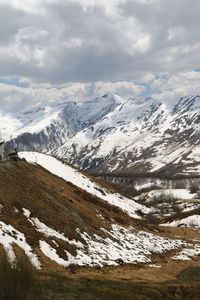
{"x":140,"y":135}
{"x":45,"y":128}
{"x":111,"y":134}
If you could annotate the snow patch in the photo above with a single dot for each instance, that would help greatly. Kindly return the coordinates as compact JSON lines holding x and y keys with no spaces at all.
{"x":51,"y":253}
{"x":187,"y":254}
{"x":175,"y":193}
{"x":47,"y":231}
{"x":155,"y":266}
{"x":9,"y":236}
{"x":120,"y":245}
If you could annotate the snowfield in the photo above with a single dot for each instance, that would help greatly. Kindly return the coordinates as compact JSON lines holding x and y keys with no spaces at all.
{"x":150,"y":132}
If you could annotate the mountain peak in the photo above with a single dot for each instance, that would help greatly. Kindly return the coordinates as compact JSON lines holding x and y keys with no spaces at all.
{"x":141,"y":135}
{"x":110,"y":133}
{"x":142,"y":100}
{"x":188,"y":103}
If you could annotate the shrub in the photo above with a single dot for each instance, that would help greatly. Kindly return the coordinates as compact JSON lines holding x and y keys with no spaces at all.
{"x":179,"y":184}
{"x":191,"y":274}
{"x":176,"y":208}
{"x":165,"y":204}
{"x":198,"y":195}
{"x":194,"y":188}
{"x":15,"y":280}
{"x":152,"y":218}
{"x":73,"y":268}
{"x":161,"y":199}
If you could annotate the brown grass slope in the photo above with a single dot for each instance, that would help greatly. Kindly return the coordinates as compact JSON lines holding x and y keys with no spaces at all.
{"x":64,"y":207}
{"x":57,"y":203}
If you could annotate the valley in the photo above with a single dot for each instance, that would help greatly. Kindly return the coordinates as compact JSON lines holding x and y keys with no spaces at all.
{"x":81,"y":233}
{"x":103,"y":198}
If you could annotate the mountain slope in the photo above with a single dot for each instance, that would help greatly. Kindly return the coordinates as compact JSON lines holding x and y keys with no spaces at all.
{"x":140,"y":135}
{"x":45,"y":128}
{"x":114,"y":135}
{"x":70,"y":219}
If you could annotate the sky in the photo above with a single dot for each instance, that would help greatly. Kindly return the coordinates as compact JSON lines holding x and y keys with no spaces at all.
{"x":73,"y":50}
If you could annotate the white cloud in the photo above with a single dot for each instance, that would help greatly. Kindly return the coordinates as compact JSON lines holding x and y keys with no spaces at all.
{"x":166,"y":88}
{"x":89,"y":40}
{"x":122,"y":88}
{"x":146,"y":78}
{"x":33,"y":6}
{"x":176,"y":86}
{"x":14,"y":98}
{"x":84,"y":48}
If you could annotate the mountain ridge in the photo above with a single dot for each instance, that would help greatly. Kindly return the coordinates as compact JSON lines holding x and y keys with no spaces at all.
{"x":152,"y":137}
{"x":112,"y":134}
{"x":45,"y":128}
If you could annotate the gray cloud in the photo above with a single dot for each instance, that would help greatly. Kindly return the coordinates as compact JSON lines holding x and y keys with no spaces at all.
{"x":69,"y":43}
{"x":15,"y":98}
{"x":78,"y":42}
{"x":10,"y":21}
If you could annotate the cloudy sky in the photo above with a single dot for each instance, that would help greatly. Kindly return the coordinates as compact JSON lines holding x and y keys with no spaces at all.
{"x":62,"y":50}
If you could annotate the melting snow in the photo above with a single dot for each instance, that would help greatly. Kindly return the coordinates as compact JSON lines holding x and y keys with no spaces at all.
{"x":51,"y":253}
{"x":72,"y":175}
{"x":155,"y":266}
{"x":186,"y":254}
{"x":116,"y":245}
{"x":119,"y":245}
{"x":9,"y":236}
{"x":47,"y":231}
